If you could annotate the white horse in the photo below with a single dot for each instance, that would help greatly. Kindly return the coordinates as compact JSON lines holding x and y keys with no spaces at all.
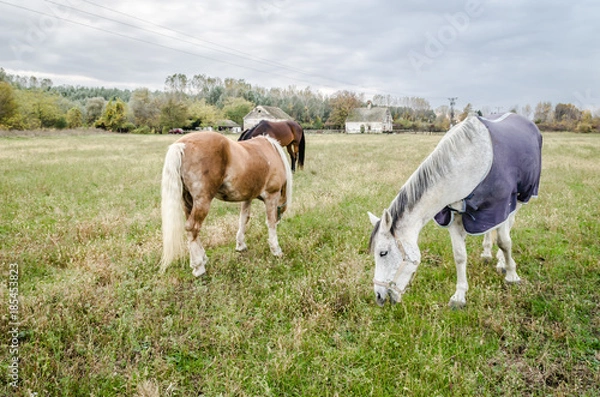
{"x":474,"y":183}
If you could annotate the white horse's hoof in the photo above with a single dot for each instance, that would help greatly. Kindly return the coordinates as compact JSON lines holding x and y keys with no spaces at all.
{"x":241,"y":248}
{"x":458,"y":300}
{"x":512,"y":280}
{"x":457,"y":304}
{"x":199,"y":271}
{"x":278,"y":252}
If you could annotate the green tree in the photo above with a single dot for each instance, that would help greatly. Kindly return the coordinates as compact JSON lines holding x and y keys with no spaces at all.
{"x":215,"y":96}
{"x":74,"y":117}
{"x":203,"y":115}
{"x":8,"y":104}
{"x":145,"y":108}
{"x":114,"y":117}
{"x":543,"y":112}
{"x":39,"y":109}
{"x":177,"y":85}
{"x":585,"y":125}
{"x":173,"y":113}
{"x":566,"y":112}
{"x":236,"y":108}
{"x":236,"y":87}
{"x":93,"y":109}
{"x":342,"y":102}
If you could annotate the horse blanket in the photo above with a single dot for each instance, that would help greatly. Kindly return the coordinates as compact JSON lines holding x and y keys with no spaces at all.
{"x":514,"y":175}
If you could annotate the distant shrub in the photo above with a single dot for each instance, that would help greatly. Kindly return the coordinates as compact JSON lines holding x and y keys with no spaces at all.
{"x":142,"y":130}
{"x":128,"y":127}
{"x":584,"y":128}
{"x":61,"y":123}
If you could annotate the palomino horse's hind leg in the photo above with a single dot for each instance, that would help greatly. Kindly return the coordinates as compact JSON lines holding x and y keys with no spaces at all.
{"x":506,"y":263}
{"x":271,"y":210}
{"x":193,"y":224}
{"x":240,"y":244}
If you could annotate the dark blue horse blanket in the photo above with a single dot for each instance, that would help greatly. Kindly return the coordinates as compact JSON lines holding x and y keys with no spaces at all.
{"x":514,"y":175}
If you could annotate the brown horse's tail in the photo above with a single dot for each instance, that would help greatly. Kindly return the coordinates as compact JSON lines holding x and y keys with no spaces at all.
{"x":301,"y":150}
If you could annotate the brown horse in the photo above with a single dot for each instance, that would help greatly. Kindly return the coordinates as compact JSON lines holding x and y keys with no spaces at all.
{"x":204,"y":165}
{"x":288,"y":133}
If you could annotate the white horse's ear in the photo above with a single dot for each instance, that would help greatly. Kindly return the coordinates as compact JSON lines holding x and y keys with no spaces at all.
{"x":386,"y":220}
{"x":373,"y":218}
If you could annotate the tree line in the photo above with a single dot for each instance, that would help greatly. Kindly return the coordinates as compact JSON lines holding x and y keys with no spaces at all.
{"x":202,"y":101}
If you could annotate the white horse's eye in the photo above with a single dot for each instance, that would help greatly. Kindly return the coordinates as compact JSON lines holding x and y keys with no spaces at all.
{"x":383,"y":253}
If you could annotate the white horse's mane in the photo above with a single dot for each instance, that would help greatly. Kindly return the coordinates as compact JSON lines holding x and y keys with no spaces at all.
{"x":435,"y":166}
{"x":432,"y":169}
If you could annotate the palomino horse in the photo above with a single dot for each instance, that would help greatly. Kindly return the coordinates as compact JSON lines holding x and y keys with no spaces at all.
{"x":204,"y":165}
{"x":288,"y":133}
{"x":473,"y":182}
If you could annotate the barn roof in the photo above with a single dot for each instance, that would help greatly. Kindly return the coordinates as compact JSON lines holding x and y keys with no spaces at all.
{"x":227,"y":123}
{"x":366,"y":114}
{"x":272,"y":111}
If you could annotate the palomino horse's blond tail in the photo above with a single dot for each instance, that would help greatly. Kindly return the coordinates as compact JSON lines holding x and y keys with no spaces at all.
{"x":288,"y":169}
{"x":173,"y":222}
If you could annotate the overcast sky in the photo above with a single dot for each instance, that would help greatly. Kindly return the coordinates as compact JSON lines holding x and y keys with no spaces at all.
{"x":494,"y":54}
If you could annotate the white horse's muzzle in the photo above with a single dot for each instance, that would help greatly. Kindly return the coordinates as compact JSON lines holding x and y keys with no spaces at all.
{"x":391,"y":289}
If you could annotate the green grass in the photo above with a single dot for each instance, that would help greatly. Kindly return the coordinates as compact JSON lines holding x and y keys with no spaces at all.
{"x":80,"y":216}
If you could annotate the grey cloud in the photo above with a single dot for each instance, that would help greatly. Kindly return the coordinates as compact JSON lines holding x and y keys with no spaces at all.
{"x":503,"y":54}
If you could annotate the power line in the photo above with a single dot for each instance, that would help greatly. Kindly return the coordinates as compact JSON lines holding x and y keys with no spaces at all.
{"x":231,"y":51}
{"x":151,"y":42}
{"x":245,"y":55}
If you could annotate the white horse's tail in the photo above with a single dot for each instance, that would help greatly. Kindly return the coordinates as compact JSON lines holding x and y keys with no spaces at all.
{"x":173,"y":222}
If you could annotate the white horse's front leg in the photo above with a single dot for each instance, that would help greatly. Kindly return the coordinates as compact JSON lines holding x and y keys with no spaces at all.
{"x":271,"y":209}
{"x":240,"y":244}
{"x":458,"y":235}
{"x":500,"y":255}
{"x":488,"y":242}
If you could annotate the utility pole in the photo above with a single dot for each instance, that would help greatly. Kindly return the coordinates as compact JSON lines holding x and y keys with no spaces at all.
{"x":452,"y":103}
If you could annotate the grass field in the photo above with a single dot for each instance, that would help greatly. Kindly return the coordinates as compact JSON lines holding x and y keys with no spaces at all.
{"x":80,"y":223}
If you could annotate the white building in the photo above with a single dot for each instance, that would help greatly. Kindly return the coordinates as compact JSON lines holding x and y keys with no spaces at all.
{"x":369,"y":120}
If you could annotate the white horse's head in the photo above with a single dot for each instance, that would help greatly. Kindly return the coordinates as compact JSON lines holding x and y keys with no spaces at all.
{"x":394,"y":268}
